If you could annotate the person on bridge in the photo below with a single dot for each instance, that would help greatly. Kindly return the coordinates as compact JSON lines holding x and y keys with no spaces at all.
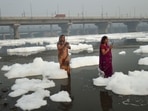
{"x":105,"y":58}
{"x":63,"y":56}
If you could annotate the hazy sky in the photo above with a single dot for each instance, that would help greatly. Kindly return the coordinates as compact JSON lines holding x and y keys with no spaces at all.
{"x":74,"y":7}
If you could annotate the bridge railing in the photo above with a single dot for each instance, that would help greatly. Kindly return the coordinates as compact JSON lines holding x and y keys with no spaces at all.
{"x":69,"y":17}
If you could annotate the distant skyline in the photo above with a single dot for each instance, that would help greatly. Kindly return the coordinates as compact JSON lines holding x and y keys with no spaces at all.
{"x":131,"y":8}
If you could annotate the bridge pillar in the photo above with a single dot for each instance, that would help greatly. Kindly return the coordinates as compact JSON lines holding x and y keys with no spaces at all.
{"x":131,"y":26}
{"x":51,"y":30}
{"x":4,"y":36}
{"x":31,"y":34}
{"x":102,"y":27}
{"x":83,"y":29}
{"x":65,"y":28}
{"x":16,"y":33}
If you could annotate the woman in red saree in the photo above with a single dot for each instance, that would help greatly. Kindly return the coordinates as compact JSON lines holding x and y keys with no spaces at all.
{"x":105,"y":60}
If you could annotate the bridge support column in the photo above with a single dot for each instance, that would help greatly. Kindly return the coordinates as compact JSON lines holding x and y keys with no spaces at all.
{"x":16,"y":33}
{"x":31,"y":34}
{"x":83,"y":29}
{"x":131,"y":26}
{"x":4,"y":36}
{"x":51,"y":30}
{"x":102,"y":27}
{"x":65,"y":28}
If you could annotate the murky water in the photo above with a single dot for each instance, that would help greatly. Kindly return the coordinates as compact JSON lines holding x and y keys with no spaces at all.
{"x":85,"y":96}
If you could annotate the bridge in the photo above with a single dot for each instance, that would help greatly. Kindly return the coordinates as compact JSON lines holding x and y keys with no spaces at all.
{"x":65,"y":22}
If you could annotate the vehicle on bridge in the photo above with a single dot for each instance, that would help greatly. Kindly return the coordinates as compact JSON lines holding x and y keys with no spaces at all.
{"x":60,"y":15}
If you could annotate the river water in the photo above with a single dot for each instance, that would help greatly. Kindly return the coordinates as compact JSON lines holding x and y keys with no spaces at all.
{"x":85,"y":96}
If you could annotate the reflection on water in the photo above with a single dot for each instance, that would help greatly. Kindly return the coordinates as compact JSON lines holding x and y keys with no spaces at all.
{"x":106,"y":101}
{"x":136,"y":101}
{"x":66,"y":86}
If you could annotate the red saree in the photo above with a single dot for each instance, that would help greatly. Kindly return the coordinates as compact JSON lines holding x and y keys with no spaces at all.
{"x":105,"y":61}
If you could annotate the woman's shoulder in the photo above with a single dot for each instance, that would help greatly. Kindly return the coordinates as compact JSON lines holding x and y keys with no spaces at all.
{"x":102,"y":46}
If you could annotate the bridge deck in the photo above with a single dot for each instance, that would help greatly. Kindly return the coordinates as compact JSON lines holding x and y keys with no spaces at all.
{"x":59,"y":20}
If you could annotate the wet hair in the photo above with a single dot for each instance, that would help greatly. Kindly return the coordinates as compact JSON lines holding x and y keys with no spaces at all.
{"x":60,"y":37}
{"x":103,"y":39}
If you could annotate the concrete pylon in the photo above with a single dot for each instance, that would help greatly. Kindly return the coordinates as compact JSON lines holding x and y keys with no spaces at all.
{"x":83,"y":29}
{"x":16,"y":32}
{"x":102,"y":27}
{"x":51,"y":30}
{"x":65,"y":28}
{"x":131,"y":26}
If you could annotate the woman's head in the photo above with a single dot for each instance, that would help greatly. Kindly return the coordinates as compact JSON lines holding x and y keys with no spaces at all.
{"x":62,"y":38}
{"x":104,"y":40}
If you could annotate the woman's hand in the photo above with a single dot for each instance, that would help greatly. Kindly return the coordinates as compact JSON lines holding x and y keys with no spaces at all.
{"x":111,"y":46}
